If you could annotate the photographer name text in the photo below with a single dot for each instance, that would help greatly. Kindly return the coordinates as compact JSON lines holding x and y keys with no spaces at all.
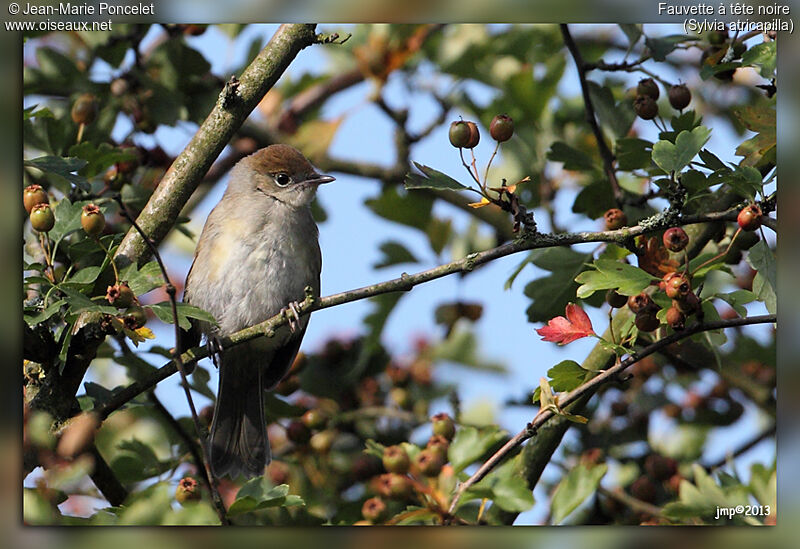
{"x":102,"y":8}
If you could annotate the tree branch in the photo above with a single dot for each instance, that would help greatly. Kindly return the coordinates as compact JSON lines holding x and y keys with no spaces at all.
{"x":590,"y":386}
{"x":602,"y":146}
{"x":237,"y":100}
{"x":404,"y":283}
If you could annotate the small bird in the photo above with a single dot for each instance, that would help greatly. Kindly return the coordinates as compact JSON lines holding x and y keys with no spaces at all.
{"x":258,"y":252}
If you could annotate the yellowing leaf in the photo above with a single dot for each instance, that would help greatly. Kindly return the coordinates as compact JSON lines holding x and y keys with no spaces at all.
{"x":484,"y":201}
{"x":315,"y":137}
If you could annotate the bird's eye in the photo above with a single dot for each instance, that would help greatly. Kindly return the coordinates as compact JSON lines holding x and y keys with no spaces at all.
{"x":282,"y":179}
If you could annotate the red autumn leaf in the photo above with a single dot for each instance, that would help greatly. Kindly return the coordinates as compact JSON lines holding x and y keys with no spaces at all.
{"x":566,"y":330}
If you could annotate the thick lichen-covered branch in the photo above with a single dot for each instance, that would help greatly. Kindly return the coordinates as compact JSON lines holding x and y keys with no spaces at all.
{"x":238,"y":98}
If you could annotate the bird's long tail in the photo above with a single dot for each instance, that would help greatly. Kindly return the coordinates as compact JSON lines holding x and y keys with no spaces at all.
{"x":239,"y":443}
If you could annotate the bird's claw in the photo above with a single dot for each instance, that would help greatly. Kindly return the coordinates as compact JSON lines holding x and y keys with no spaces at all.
{"x":292,"y":315}
{"x":214,"y":349}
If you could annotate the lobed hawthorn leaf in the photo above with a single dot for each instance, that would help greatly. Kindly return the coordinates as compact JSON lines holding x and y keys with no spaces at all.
{"x":431,"y":179}
{"x":65,"y":168}
{"x":674,"y":157}
{"x":761,"y":258}
{"x":660,"y":47}
{"x":764,"y":55}
{"x":564,"y":376}
{"x":633,"y":153}
{"x":572,"y":158}
{"x":609,"y":274}
{"x":561,"y":330}
{"x":394,"y":253}
{"x":505,"y":487}
{"x":163,"y":311}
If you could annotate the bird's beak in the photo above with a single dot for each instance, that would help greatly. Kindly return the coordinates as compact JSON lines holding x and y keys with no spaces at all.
{"x":317,"y":179}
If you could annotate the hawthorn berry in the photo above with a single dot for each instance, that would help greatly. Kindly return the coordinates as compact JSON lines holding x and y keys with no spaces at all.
{"x":92,"y":220}
{"x":675,"y":318}
{"x":33,"y":195}
{"x":187,"y":490}
{"x":429,"y":462}
{"x":120,"y":295}
{"x":648,"y":88}
{"x":640,"y":302}
{"x":615,"y":299}
{"x":443,"y":425}
{"x":84,"y":110}
{"x":646,"y":107}
{"x":396,"y":460}
{"x":374,"y":510}
{"x":615,"y":219}
{"x":678,"y":286}
{"x":474,"y":135}
{"x":502,"y":128}
{"x":749,"y":217}
{"x":675,"y":239}
{"x":679,"y":96}
{"x":459,"y":134}
{"x":646,"y":320}
{"x":298,"y":433}
{"x":42,"y":218}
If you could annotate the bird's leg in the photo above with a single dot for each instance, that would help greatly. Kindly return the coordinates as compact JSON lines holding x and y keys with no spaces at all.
{"x":294,"y":318}
{"x":214,"y":347}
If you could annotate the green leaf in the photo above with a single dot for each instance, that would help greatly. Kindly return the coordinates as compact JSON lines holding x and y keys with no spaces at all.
{"x":142,"y":280}
{"x":259,"y":493}
{"x":550,"y":294}
{"x":572,"y":158}
{"x":470,"y":444}
{"x":163,"y":311}
{"x":461,"y":347}
{"x":431,"y":179}
{"x":580,"y":483}
{"x":594,"y":199}
{"x":633,"y":153}
{"x":64,"y":168}
{"x":762,"y":260}
{"x":608,"y":274}
{"x":673,"y":158}
{"x":737,"y":300}
{"x":394,"y":253}
{"x":564,"y":376}
{"x":763,"y":55}
{"x":660,"y":47}
{"x":99,"y":158}
{"x":136,"y":461}
{"x":633,"y":32}
{"x":703,"y":498}
{"x":617,"y":116}
{"x":745,"y":181}
{"x":411,"y":209}
{"x":87,"y":275}
{"x":506,"y":487}
{"x":49,"y":311}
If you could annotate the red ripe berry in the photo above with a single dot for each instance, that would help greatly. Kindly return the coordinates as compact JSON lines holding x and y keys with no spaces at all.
{"x":646,"y":107}
{"x":92,"y":220}
{"x":749,"y":218}
{"x":675,"y":318}
{"x":42,"y":218}
{"x":615,"y":219}
{"x":502,"y":128}
{"x":33,"y":195}
{"x":459,"y":134}
{"x":678,"y":286}
{"x":648,"y":88}
{"x":640,"y":302}
{"x":679,"y":97}
{"x":675,"y":239}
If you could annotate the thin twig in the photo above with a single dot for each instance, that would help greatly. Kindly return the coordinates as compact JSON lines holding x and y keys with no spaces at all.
{"x":405,"y":283}
{"x":633,"y":503}
{"x":179,"y":364}
{"x":604,"y":377}
{"x":602,"y":146}
{"x":760,"y":437}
